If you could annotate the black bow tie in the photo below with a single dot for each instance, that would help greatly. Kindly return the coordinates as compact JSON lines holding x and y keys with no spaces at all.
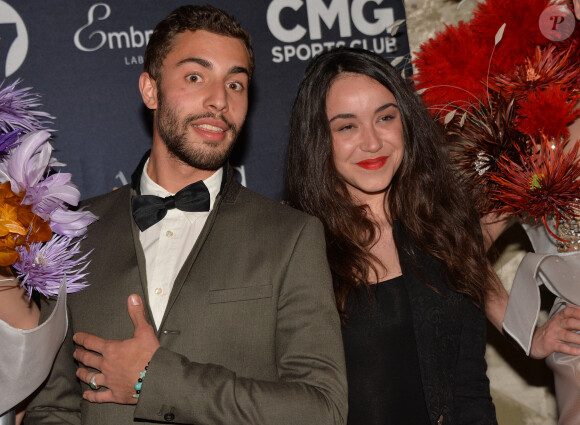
{"x":150,"y":209}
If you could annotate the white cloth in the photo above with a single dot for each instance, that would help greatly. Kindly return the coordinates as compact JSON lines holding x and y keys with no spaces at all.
{"x":560,"y":273}
{"x":542,"y":241}
{"x":27,"y":355}
{"x":167,"y":243}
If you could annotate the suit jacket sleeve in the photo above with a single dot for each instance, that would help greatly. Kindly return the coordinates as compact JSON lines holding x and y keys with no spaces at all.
{"x":472,"y":398}
{"x":312,"y":385}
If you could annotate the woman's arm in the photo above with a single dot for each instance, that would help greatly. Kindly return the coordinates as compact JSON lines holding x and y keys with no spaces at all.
{"x":15,"y":307}
{"x":553,"y":336}
{"x":16,"y":310}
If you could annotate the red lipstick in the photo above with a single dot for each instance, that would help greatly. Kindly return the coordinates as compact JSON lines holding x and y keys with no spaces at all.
{"x":373,"y":163}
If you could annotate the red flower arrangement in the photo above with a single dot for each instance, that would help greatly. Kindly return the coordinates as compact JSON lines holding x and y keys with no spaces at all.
{"x":507,"y":116}
{"x":543,"y":183}
{"x":533,"y":120}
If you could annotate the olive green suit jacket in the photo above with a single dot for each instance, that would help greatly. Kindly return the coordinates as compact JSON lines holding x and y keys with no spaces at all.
{"x":250,"y":334}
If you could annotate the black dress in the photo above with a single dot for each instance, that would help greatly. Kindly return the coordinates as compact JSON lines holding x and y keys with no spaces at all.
{"x":382,"y":365}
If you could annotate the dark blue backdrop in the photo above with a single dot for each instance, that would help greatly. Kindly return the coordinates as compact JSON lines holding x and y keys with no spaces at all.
{"x":84,"y":57}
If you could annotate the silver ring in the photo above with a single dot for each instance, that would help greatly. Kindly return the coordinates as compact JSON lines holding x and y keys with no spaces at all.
{"x":92,"y":382}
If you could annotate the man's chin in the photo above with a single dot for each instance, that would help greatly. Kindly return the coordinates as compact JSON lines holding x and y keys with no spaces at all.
{"x":207,"y":161}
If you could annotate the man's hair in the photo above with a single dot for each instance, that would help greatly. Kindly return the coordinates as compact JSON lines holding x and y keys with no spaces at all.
{"x":191,"y":18}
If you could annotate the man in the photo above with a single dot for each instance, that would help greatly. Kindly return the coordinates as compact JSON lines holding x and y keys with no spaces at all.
{"x":240,"y":296}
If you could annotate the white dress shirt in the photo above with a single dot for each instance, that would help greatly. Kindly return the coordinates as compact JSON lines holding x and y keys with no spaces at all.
{"x":167,"y":243}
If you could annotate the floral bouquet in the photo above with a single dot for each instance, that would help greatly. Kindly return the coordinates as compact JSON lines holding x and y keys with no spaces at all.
{"x":39,"y":233}
{"x":506,"y":117}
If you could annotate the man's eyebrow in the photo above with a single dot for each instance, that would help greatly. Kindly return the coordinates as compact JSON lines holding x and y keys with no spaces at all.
{"x":239,"y":70}
{"x":205,"y":63}
{"x":208,"y":65}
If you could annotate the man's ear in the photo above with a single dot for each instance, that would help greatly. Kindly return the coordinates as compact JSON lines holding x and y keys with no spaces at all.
{"x":148,"y":89}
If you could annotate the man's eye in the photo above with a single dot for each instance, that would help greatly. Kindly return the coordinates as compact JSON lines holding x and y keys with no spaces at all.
{"x":236,"y":86}
{"x":193,"y":78}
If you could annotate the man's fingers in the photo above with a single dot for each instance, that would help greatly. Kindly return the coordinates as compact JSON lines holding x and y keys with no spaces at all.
{"x":107,"y":396}
{"x":88,"y":358}
{"x":85,"y":375}
{"x":90,"y":342}
{"x":93,"y":379}
{"x":136,"y":311}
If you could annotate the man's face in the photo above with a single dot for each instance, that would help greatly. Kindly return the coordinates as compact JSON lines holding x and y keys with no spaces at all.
{"x":202,"y":98}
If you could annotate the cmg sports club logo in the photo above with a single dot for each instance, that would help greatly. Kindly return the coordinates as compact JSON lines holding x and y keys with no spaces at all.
{"x":304,"y":27}
{"x":13,"y":40}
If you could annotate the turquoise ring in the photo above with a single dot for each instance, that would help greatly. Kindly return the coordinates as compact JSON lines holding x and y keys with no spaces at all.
{"x":92,"y":382}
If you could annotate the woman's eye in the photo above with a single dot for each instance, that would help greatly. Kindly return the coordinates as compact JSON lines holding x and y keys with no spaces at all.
{"x":346,"y":127}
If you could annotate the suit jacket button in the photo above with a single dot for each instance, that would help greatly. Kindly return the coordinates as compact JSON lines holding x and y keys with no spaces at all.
{"x":169,"y":417}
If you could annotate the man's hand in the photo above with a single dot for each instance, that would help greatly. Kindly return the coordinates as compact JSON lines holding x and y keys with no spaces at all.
{"x":554,"y":335}
{"x":119,"y":362}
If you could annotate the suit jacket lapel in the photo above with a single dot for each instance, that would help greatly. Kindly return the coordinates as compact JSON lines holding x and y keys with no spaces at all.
{"x":228,"y":195}
{"x":141,"y":264}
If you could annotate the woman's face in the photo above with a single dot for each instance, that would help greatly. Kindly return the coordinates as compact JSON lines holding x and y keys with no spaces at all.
{"x":367,"y":134}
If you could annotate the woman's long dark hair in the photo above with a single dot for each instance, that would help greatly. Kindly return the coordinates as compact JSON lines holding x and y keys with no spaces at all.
{"x":424,"y":194}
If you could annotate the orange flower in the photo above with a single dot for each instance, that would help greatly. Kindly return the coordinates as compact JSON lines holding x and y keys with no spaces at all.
{"x":9,"y":222}
{"x":18,"y":225}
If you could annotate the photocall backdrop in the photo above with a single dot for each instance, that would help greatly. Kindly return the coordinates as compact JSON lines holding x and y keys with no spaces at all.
{"x":85,"y":56}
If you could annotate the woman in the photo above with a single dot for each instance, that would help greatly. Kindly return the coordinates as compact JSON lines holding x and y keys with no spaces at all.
{"x":404,"y":246}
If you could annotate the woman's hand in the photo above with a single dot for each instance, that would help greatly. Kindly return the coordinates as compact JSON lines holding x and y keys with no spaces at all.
{"x":556,"y":334}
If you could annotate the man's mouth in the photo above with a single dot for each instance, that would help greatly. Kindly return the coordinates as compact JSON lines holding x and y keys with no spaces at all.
{"x":209,"y":127}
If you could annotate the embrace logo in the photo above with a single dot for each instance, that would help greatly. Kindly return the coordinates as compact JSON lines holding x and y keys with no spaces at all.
{"x":13,"y":40}
{"x":89,"y":38}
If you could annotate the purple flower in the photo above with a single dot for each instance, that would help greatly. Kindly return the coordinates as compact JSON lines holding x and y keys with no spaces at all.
{"x":17,"y":109}
{"x":51,"y":193}
{"x":25,"y":167}
{"x":43,"y":266}
{"x":28,"y":162}
{"x":9,"y":140}
{"x":71,"y":223}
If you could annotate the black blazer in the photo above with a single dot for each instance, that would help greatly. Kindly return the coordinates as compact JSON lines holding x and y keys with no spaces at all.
{"x":450,"y":332}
